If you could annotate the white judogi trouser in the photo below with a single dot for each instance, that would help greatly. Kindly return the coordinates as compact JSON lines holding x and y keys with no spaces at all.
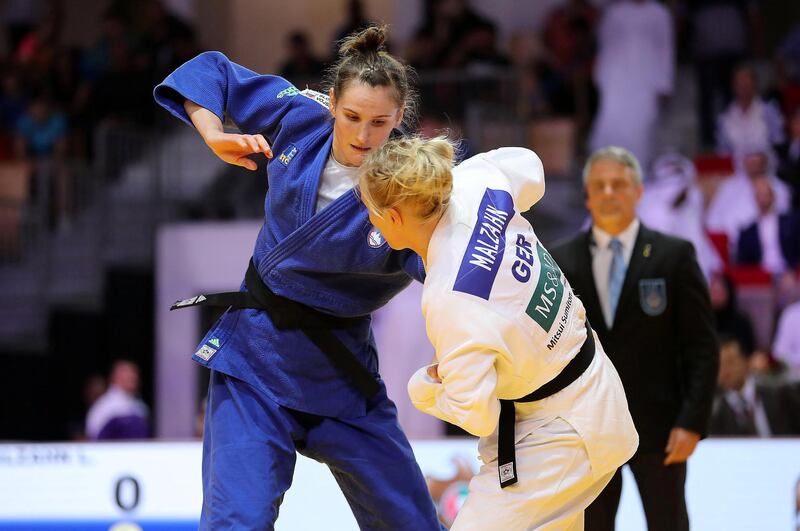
{"x":555,"y":485}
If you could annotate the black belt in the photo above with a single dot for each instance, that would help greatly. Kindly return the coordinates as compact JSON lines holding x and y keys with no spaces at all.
{"x":506,"y":457}
{"x":288,"y":314}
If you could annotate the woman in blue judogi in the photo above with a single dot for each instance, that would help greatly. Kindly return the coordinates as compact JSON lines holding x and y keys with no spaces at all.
{"x":294,"y":365}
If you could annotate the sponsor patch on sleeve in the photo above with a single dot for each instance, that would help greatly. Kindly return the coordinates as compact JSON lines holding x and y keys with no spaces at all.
{"x":289,"y":91}
{"x":484,"y":252}
{"x":205,"y":352}
{"x":319,"y":97}
{"x":288,"y":154}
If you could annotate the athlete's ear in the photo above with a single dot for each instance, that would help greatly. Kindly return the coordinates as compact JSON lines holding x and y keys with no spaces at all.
{"x":331,"y":102}
{"x":399,"y":117}
{"x":394,"y":215}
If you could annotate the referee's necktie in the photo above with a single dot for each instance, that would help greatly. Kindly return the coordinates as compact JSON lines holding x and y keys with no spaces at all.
{"x":616,"y":276}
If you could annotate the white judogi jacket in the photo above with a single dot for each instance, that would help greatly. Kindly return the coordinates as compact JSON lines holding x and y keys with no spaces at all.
{"x":504,"y":321}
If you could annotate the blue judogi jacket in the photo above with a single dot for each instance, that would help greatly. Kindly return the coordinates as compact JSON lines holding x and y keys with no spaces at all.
{"x":328,"y":260}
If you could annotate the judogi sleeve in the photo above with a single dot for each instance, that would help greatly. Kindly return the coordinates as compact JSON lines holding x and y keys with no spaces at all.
{"x":412,"y":264}
{"x":253,"y":101}
{"x":524,"y":171}
{"x":468,"y":340}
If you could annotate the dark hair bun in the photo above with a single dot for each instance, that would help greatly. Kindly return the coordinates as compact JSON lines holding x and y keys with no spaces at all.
{"x":366,"y":42}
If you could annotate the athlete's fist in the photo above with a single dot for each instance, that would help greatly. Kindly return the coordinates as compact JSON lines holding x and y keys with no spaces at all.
{"x":433,"y":372}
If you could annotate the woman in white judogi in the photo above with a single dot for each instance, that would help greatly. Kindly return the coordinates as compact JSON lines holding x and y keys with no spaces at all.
{"x":506,"y":326}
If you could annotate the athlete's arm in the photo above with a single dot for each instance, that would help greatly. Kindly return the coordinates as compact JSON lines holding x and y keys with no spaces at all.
{"x":256,"y":103}
{"x":525,"y":172}
{"x":468,"y":343}
{"x":230,"y":147}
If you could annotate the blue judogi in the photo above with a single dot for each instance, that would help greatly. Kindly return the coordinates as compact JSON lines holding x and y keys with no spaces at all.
{"x":273,"y":391}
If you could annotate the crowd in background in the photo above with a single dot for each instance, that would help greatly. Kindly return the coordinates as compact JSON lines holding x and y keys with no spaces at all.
{"x":609,"y":71}
{"x":53,"y":97}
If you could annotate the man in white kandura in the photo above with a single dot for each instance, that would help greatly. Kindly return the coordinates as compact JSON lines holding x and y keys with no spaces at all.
{"x":518,"y":364}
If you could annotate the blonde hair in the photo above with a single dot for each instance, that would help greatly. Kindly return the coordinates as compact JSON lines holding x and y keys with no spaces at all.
{"x":412,"y":170}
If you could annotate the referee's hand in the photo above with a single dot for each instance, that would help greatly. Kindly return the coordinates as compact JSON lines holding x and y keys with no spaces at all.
{"x":680,"y":446}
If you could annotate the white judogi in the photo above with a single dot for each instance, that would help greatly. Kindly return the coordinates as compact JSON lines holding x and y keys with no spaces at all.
{"x":635,"y":64}
{"x":504,"y":321}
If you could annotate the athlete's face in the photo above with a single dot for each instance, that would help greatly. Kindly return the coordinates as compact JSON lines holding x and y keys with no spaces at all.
{"x":612,"y":195}
{"x":364,"y":116}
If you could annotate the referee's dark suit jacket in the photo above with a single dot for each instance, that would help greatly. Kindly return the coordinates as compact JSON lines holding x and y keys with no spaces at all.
{"x":663,"y":341}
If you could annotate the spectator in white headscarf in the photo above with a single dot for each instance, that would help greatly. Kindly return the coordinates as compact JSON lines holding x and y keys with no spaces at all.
{"x":673,"y":203}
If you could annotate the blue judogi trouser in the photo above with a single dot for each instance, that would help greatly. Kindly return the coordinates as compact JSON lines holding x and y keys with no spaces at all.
{"x":249,"y":446}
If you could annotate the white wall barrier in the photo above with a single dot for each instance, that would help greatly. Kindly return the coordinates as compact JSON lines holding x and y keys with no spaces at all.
{"x":732,"y":485}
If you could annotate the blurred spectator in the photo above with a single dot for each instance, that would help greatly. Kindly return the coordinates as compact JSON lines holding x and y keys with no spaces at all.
{"x":789,"y":168}
{"x":301,"y":68}
{"x":787,"y":66}
{"x":569,"y":35}
{"x":441,"y":35}
{"x":673,"y":203}
{"x":35,"y":55}
{"x":720,"y":39}
{"x":544,"y":92}
{"x":356,"y":21}
{"x":634,"y":74}
{"x":786,"y":346}
{"x":41,"y":137}
{"x":743,"y":407}
{"x":94,"y":386}
{"x":543,"y":89}
{"x":41,"y":130}
{"x":71,"y":94}
{"x":733,"y":206}
{"x":451,"y":38}
{"x":37,"y":45}
{"x":476,"y":56}
{"x":12,"y":100}
{"x":748,"y":119}
{"x":19,"y":18}
{"x":121,"y":91}
{"x":114,"y":32}
{"x":119,"y":413}
{"x":773,"y":240}
{"x":166,"y":41}
{"x":477,"y":51}
{"x":731,"y":322}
